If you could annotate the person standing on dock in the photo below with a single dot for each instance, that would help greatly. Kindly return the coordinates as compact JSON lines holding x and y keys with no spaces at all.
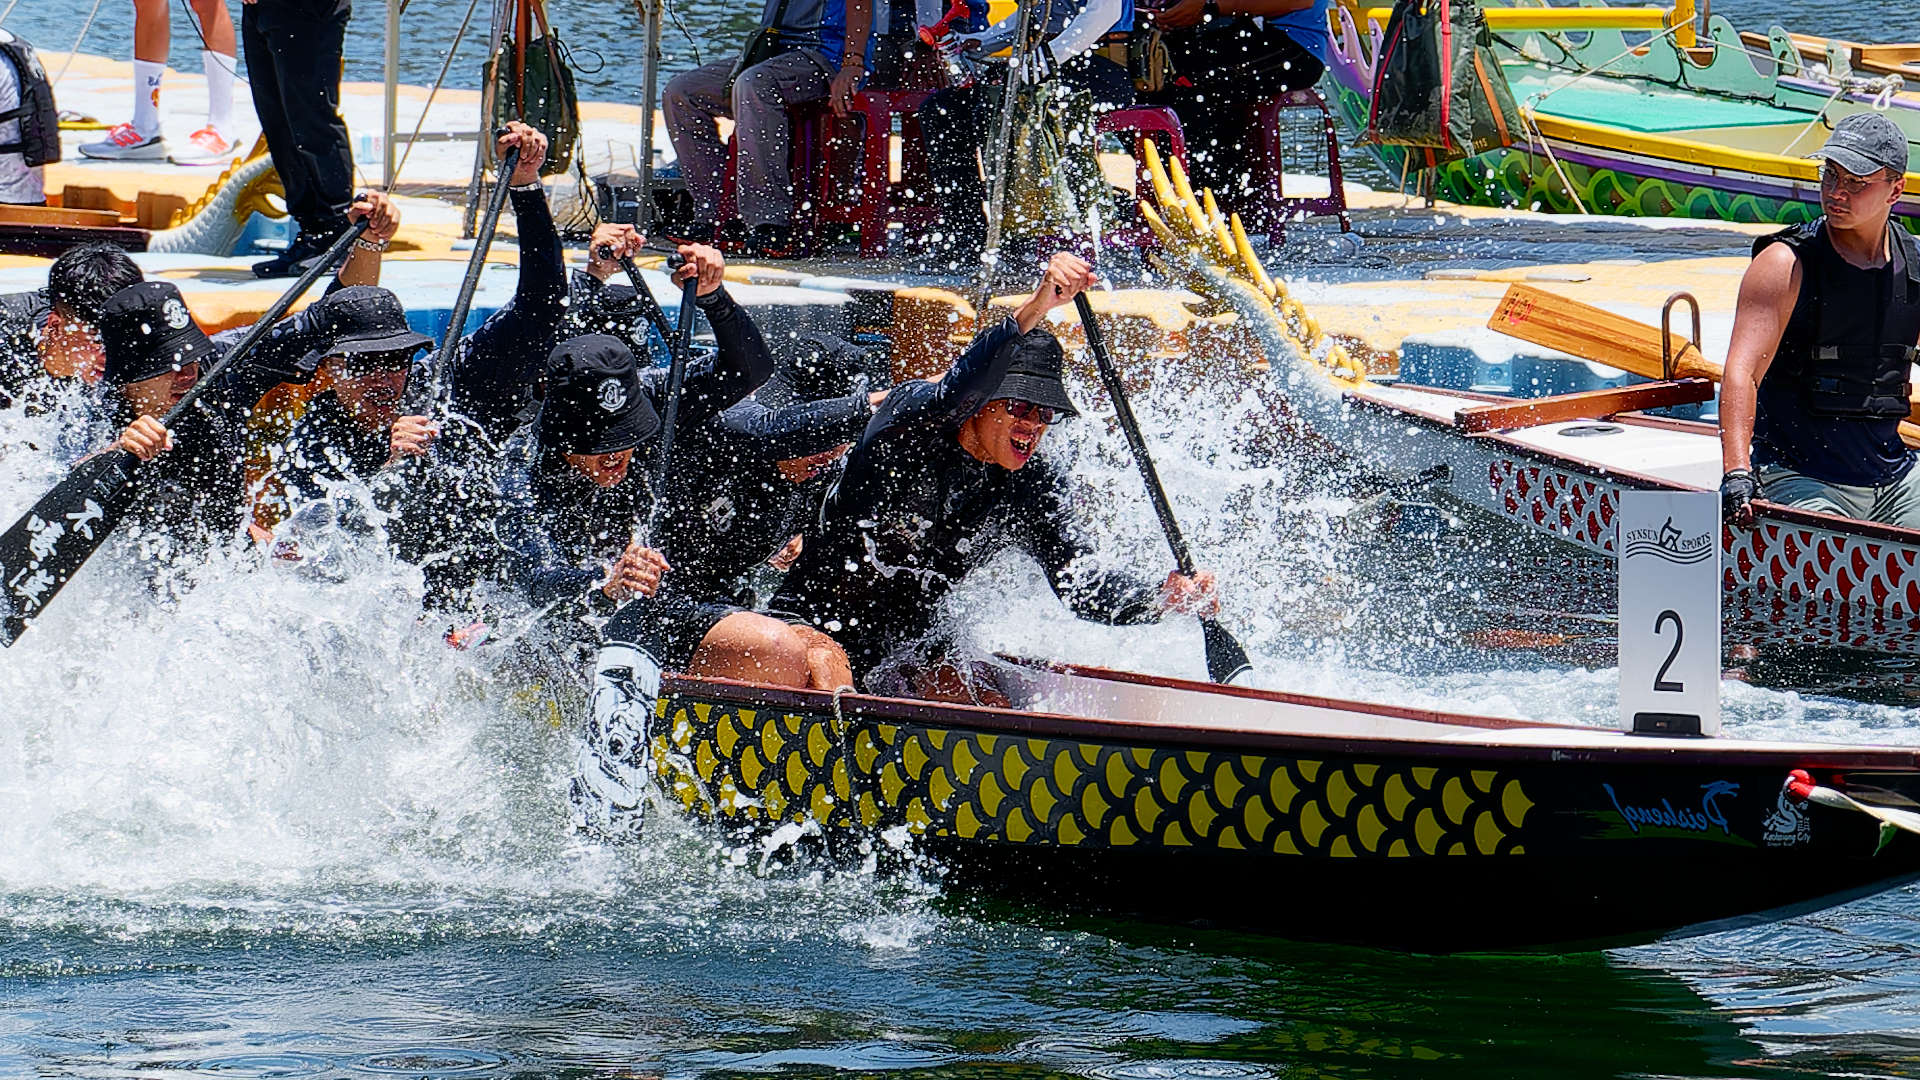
{"x":294,"y":49}
{"x":805,"y":50}
{"x":1818,"y":371}
{"x":29,"y":123}
{"x":140,"y":139}
{"x":948,"y":475}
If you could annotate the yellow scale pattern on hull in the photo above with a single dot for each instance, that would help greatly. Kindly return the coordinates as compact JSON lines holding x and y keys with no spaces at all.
{"x":763,"y":767}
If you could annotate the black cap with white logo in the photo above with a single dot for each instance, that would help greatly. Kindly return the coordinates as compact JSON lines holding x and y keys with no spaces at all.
{"x":146,"y":331}
{"x":593,"y":401}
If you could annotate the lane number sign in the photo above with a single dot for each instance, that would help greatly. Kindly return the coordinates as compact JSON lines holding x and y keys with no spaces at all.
{"x":1669,"y":550}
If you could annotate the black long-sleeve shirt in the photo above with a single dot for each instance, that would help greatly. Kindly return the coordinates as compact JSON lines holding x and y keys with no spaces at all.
{"x":914,"y":512}
{"x":196,"y":492}
{"x":559,"y":528}
{"x":494,"y":367}
{"x":728,"y":507}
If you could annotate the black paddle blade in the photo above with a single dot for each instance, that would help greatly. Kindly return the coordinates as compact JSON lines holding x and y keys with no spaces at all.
{"x":1226,"y":660}
{"x":53,"y":540}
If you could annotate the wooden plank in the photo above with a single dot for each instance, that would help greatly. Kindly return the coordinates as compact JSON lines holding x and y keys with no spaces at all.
{"x":16,"y":214}
{"x":49,"y":241}
{"x":1592,"y":333}
{"x":1596,"y":334}
{"x":1584,"y":405}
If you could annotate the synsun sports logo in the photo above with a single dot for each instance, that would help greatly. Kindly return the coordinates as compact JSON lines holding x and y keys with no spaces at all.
{"x":1667,"y":543}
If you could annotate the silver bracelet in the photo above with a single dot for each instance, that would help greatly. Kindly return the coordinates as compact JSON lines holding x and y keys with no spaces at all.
{"x":524,"y":188}
{"x":375,"y":246}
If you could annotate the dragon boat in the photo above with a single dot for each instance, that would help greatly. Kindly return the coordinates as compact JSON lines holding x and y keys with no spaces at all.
{"x":1668,"y":124}
{"x":1297,"y":816}
{"x":1555,"y":465}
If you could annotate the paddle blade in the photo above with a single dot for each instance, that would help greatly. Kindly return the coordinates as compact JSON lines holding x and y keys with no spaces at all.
{"x":55,"y":538}
{"x":1226,"y":660}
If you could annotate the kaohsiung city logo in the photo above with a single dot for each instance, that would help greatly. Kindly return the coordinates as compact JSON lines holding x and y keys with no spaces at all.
{"x":1667,"y":543}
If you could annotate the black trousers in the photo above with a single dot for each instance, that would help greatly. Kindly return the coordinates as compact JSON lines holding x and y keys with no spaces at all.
{"x":1222,"y":70}
{"x":954,"y":126}
{"x":293,"y":66}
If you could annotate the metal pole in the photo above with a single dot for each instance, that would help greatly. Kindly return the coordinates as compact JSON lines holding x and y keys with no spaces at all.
{"x":649,"y":94}
{"x":393,"y":93}
{"x":1000,"y":149}
{"x":484,"y":134}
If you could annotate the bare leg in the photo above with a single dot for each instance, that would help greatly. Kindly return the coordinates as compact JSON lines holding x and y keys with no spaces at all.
{"x":827,"y":667}
{"x":753,"y":648}
{"x":153,"y":32}
{"x":216,"y":24}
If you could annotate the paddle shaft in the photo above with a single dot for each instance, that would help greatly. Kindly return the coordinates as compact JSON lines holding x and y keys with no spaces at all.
{"x":648,"y":305}
{"x":442,"y":360}
{"x":324,"y":264}
{"x":53,"y":540}
{"x":1226,"y":660}
{"x":1182,"y":556}
{"x":680,"y":347}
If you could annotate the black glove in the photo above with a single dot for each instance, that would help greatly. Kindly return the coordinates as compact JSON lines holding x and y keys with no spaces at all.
{"x":1738,"y":489}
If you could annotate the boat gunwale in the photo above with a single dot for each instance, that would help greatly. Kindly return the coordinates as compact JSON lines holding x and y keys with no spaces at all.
{"x":1764,"y":508}
{"x":1021,"y":723}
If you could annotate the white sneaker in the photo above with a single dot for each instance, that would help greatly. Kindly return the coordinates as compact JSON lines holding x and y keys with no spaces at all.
{"x":123,"y":143}
{"x":205,"y":147}
{"x":616,"y":754}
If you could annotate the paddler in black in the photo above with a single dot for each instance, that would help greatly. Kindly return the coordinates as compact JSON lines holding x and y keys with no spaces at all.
{"x":52,"y":333}
{"x":573,"y":496}
{"x":946,"y":477}
{"x":739,"y":491}
{"x":1824,"y":336}
{"x":191,"y":492}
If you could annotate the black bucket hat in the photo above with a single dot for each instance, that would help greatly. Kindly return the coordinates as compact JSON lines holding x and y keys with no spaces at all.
{"x":823,"y":366}
{"x":593,"y":402}
{"x":363,"y":321}
{"x":1034,"y":374}
{"x":146,"y":331}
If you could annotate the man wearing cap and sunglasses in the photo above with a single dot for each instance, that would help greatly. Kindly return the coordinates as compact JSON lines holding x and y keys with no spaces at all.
{"x":946,"y":476}
{"x":1818,"y":369}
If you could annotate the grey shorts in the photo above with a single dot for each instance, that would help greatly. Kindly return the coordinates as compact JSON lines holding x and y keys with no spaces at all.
{"x":1897,"y":503}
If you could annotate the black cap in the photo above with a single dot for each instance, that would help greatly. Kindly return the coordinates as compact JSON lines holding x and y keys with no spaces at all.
{"x":823,"y":366}
{"x":363,"y":320}
{"x":1035,"y":373}
{"x":146,"y":331}
{"x":593,"y":402}
{"x":1865,"y":143}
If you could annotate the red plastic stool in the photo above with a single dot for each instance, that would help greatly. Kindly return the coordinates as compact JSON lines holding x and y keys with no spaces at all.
{"x":1143,"y":123}
{"x":881,"y":200}
{"x":1278,"y":206}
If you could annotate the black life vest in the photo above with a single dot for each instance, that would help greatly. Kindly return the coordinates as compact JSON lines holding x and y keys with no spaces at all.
{"x":1850,"y":348}
{"x":39,"y":141}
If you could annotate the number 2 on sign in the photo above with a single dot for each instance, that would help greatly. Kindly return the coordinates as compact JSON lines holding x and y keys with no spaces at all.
{"x":1661,"y":684}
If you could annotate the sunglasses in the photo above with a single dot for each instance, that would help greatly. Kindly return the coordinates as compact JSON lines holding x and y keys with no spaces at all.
{"x":1836,"y":179}
{"x":1027,"y":410}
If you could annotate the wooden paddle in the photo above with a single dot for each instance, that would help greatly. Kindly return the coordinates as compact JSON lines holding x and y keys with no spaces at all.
{"x":47,"y":546}
{"x":1592,"y":333}
{"x":1226,"y":660}
{"x":430,"y":398}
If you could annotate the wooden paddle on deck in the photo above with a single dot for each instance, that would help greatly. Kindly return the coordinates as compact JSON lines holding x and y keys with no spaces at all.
{"x":1226,"y":660}
{"x":49,"y":544}
{"x":1592,"y":333}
